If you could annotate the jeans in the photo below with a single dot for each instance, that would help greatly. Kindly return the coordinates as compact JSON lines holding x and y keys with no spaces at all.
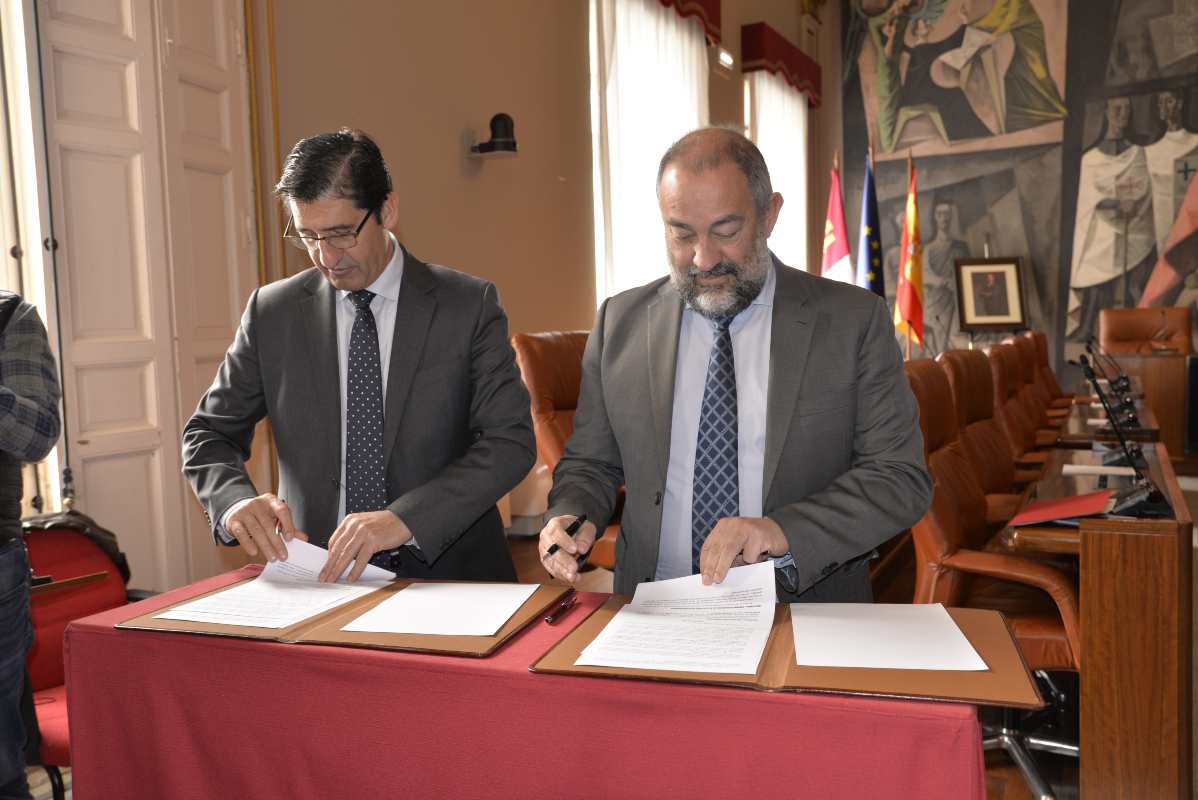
{"x":16,"y":637}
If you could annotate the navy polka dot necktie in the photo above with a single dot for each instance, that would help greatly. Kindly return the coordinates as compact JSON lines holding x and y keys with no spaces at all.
{"x":716,"y":489}
{"x":365,"y":485}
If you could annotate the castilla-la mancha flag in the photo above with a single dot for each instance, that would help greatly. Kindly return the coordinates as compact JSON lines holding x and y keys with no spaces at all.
{"x":837,"y":263}
{"x":908,"y":299}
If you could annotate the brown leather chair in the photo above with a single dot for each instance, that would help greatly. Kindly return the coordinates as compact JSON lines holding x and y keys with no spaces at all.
{"x":954,"y":567}
{"x":1146,"y":330}
{"x":1033,"y":398}
{"x":1045,"y":377}
{"x":1023,"y":436}
{"x":551,"y":365}
{"x":982,"y":439}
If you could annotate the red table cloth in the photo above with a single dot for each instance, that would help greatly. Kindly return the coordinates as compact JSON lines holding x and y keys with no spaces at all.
{"x":159,"y":715}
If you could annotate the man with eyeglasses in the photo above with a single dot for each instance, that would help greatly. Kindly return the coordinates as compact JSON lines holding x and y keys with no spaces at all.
{"x":398,"y":412}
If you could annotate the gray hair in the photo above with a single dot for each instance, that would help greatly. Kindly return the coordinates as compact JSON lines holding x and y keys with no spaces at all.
{"x":707,"y":148}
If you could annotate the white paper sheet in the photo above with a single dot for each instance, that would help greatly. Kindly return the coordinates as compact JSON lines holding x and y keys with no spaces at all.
{"x":682,"y":625}
{"x":880,"y":636}
{"x":1095,"y":469}
{"x":446,"y":609}
{"x":285,"y":593}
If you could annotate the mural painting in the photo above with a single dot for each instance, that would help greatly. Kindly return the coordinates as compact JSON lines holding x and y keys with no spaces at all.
{"x":1061,"y":133}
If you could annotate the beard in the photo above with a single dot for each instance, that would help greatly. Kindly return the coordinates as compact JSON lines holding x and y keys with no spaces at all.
{"x":724,"y":301}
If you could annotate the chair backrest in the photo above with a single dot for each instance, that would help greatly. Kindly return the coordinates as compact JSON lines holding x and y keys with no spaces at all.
{"x":1044,"y":373}
{"x":1145,"y":330}
{"x":62,"y":553}
{"x":551,"y":365}
{"x":1025,"y":348}
{"x":957,"y":515}
{"x":968,"y":373}
{"x":1004,"y":372}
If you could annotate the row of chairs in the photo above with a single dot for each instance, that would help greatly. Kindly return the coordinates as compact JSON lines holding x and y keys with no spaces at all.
{"x":987,"y":419}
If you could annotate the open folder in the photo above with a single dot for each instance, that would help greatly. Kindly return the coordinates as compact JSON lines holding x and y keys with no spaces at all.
{"x":1005,"y":681}
{"x":327,"y":627}
{"x":1064,"y":510}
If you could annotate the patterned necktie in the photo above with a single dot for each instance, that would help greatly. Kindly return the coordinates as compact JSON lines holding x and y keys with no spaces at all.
{"x":365,"y":487}
{"x":716,"y":490}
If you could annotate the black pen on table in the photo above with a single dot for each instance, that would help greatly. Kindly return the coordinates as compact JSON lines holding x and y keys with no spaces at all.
{"x":571,"y":529}
{"x":568,"y":601}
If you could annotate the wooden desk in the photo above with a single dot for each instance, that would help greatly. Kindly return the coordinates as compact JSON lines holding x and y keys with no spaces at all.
{"x":1135,"y":577}
{"x":1078,"y":432}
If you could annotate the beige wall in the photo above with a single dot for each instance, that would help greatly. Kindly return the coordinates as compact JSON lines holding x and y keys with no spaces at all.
{"x":423,"y":77}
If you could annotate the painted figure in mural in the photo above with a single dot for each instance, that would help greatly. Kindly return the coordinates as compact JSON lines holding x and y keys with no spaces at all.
{"x":1031,"y":95}
{"x":951,"y":81}
{"x":940,"y":278}
{"x":1172,"y":160}
{"x":922,"y":94}
{"x":886,"y":31}
{"x":990,"y":294}
{"x":1178,"y":261}
{"x":1114,"y":241}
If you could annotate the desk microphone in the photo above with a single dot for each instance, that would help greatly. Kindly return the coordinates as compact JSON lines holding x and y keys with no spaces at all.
{"x":1142,"y":498}
{"x":1120,"y":383}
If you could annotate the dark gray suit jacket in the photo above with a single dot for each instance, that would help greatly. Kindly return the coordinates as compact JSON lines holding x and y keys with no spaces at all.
{"x":457,"y":430}
{"x":844,"y":462}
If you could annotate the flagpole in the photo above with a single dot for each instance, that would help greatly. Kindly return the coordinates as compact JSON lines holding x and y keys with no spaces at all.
{"x":836,"y":161}
{"x":908,"y":340}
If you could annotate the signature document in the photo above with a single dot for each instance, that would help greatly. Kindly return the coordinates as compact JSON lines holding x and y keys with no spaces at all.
{"x":286,"y":592}
{"x":681,"y":625}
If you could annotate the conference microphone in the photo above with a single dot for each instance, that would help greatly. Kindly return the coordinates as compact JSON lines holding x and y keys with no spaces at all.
{"x":1120,"y":383}
{"x":1133,"y":454}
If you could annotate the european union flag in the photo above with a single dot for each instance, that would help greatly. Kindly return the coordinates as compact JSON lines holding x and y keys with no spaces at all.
{"x":869,"y":243}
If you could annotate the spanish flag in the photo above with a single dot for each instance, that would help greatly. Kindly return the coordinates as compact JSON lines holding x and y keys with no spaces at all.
{"x":837,"y":263}
{"x":908,"y":301}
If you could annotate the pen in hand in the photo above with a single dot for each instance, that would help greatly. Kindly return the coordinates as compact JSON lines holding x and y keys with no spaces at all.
{"x":571,"y":529}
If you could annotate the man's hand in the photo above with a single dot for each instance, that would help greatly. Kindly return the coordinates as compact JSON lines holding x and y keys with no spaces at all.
{"x":744,"y":539}
{"x":360,"y":536}
{"x":564,"y":564}
{"x":264,"y":524}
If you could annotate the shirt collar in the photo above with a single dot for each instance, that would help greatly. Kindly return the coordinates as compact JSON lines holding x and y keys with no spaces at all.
{"x":388,"y":282}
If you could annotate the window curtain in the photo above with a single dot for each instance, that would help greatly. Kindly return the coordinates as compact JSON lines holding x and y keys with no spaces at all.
{"x":777,"y":120}
{"x":648,"y":87}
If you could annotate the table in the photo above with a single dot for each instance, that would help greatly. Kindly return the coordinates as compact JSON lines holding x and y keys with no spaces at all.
{"x":186,"y":716}
{"x":1135,"y":598}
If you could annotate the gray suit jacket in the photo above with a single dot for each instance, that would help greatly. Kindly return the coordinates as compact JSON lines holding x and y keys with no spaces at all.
{"x":844,"y":462}
{"x":457,"y":430}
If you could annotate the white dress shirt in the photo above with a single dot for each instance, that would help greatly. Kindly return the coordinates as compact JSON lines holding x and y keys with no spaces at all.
{"x":386,"y":299}
{"x":750,"y":331}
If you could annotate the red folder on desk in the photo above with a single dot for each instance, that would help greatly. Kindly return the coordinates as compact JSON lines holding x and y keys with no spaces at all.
{"x":1058,"y":509}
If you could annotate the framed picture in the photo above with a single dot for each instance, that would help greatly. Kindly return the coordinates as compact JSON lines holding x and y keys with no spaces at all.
{"x":990,"y":294}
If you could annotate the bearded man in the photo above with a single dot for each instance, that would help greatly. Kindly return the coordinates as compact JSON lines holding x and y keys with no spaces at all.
{"x":749,"y":409}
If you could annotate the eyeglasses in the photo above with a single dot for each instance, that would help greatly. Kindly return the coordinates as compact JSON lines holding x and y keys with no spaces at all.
{"x":342,"y":241}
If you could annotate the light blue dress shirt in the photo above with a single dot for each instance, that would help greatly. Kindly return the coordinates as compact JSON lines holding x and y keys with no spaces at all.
{"x":750,"y":331}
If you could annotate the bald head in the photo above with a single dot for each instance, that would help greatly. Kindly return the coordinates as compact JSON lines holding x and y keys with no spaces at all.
{"x":707,"y":148}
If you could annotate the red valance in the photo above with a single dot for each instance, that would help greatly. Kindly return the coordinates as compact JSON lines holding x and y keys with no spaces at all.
{"x":762,"y":47}
{"x":706,"y":11}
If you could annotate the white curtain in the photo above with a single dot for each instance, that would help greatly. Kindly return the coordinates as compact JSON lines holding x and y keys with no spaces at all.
{"x":648,"y":87}
{"x":778,"y":126}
